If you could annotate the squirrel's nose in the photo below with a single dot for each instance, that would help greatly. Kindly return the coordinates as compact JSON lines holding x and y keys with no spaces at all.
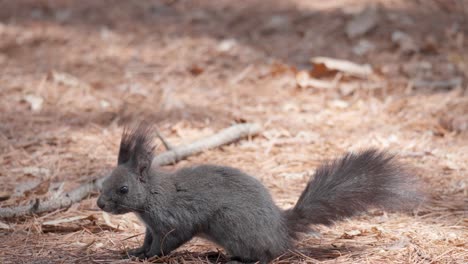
{"x":100,"y":203}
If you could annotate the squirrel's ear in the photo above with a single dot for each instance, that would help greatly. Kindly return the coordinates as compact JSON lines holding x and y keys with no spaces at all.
{"x":141,"y":161}
{"x":136,"y":149}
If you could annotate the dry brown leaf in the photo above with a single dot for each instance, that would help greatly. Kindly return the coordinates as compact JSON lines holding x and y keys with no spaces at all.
{"x":196,"y":70}
{"x":320,"y":70}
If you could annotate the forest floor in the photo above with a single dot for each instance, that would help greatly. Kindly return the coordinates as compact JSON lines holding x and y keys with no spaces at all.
{"x":73,"y":72}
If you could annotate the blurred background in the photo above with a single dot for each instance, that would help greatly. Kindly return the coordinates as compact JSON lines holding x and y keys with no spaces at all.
{"x":321,"y":77}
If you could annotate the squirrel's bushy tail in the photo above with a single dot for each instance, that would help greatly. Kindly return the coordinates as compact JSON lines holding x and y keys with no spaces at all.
{"x":350,"y":185}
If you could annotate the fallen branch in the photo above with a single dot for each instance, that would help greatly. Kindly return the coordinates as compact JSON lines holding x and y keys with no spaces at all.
{"x":165,"y":143}
{"x":224,"y":137}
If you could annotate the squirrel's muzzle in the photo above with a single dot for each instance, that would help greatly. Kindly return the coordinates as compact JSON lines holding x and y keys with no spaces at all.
{"x":100,"y":202}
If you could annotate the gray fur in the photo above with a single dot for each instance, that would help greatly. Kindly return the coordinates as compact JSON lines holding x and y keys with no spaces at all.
{"x":234,"y":209}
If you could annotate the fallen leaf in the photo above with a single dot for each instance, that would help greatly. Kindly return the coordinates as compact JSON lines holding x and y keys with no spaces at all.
{"x":320,"y":70}
{"x":345,"y":66}
{"x":35,"y":102}
{"x":196,"y":70}
{"x":226,"y":45}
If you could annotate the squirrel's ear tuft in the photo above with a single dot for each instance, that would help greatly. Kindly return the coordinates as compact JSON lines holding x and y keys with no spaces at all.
{"x":136,"y":147}
{"x":126,"y":146}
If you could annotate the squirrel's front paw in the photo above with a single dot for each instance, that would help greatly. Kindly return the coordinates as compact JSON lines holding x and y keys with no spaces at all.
{"x":137,"y":253}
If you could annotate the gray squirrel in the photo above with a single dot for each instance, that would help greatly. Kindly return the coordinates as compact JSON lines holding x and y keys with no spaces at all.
{"x":233,"y":209}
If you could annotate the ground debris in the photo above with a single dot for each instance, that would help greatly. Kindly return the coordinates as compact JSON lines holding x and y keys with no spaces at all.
{"x":433,"y":85}
{"x":405,"y":42}
{"x":344,"y":66}
{"x":131,"y":60}
{"x":362,"y":22}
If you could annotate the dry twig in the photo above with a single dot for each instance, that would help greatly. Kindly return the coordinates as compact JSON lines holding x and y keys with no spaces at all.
{"x":164,"y":141}
{"x":174,"y":155}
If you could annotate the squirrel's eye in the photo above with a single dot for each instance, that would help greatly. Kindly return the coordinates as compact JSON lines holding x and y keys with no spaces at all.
{"x":123,"y":190}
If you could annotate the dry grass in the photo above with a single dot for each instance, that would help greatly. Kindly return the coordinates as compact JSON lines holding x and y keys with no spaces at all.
{"x":98,"y":64}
